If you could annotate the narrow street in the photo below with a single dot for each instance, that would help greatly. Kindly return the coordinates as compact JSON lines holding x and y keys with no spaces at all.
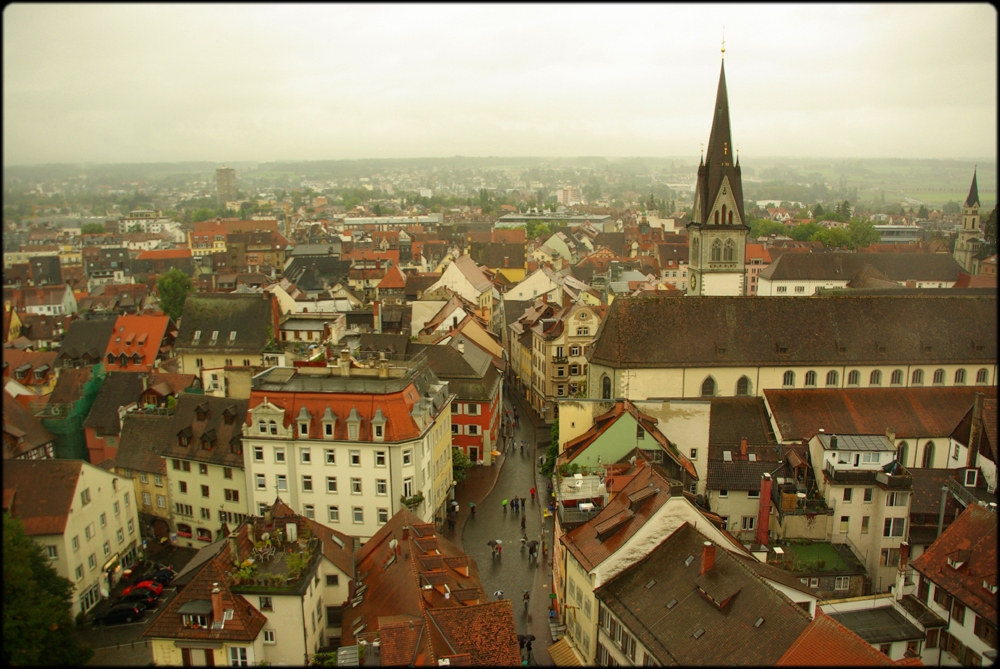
{"x":512,"y":573}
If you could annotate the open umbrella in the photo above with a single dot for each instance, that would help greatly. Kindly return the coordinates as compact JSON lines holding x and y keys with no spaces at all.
{"x":529,"y":637}
{"x":498,"y":542}
{"x":492,"y":542}
{"x":471,"y":504}
{"x":532,"y":544}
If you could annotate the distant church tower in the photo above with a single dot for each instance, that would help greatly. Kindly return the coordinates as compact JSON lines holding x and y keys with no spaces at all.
{"x":967,"y":244}
{"x":717,"y":233}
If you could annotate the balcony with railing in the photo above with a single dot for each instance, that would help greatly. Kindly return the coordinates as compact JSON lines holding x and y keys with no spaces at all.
{"x":559,"y":360}
{"x":891,"y":476}
{"x":579,"y":498}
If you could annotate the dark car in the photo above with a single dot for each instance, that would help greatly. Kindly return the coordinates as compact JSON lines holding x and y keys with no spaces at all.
{"x":142,"y":599}
{"x":163,"y":577}
{"x":119,"y":613}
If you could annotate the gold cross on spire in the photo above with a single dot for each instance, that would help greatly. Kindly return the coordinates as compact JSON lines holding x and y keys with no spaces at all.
{"x":723,"y":42}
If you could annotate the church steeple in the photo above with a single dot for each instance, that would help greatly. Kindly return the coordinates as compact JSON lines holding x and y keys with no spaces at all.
{"x":718,"y":165}
{"x":973,"y":198}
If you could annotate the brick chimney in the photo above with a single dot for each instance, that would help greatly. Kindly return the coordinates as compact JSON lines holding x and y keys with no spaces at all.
{"x":904,"y":556}
{"x":217,"y":614}
{"x":707,"y":557}
{"x":764,"y":509}
{"x":743,"y":448}
{"x":234,"y":547}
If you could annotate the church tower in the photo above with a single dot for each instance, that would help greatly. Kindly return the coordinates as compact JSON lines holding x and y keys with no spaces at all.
{"x":717,"y":232}
{"x":967,"y":244}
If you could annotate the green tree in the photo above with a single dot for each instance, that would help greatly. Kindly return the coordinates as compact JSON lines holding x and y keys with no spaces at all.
{"x":989,"y":245}
{"x":844,"y":209}
{"x":923,"y":213}
{"x":833,"y":238}
{"x":135,"y":227}
{"x":91,"y":229}
{"x":460,"y":464}
{"x":804,"y":232}
{"x":37,"y":626}
{"x":172,"y":289}
{"x":862,"y":233}
{"x":202,"y":214}
{"x":818,"y":210}
{"x":763,"y":227}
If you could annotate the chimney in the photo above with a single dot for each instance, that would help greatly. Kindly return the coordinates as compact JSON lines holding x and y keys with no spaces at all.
{"x":461,"y":346}
{"x":764,"y":509}
{"x":975,"y":431}
{"x":217,"y":614}
{"x":743,"y":448}
{"x":377,"y":316}
{"x":904,"y":556}
{"x":545,"y":298}
{"x":833,"y":441}
{"x":707,"y":558}
{"x":234,"y":547}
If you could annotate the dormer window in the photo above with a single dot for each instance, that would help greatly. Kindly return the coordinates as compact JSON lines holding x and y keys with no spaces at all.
{"x":197,"y":335}
{"x":990,"y":587}
{"x":353,"y":425}
{"x":229,"y":415}
{"x":184,"y":436}
{"x":215,"y":335}
{"x":274,"y":427}
{"x":111,"y":358}
{"x":378,"y":425}
{"x":232,"y":336}
{"x":201,"y":411}
{"x":303,"y":420}
{"x":329,"y":423}
{"x":208,"y":440}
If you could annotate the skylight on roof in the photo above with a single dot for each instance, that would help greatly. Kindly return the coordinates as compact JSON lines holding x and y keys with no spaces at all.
{"x":650,"y":584}
{"x":690,"y":559}
{"x":760,"y":621}
{"x":699,"y":633}
{"x":727,"y":456}
{"x":672,"y":603}
{"x":232,"y":336}
{"x":197,"y":335}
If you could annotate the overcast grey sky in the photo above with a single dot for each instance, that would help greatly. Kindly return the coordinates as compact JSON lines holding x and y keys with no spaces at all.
{"x":145,"y":83}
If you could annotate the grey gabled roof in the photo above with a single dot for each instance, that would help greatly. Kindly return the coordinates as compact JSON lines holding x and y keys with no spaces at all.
{"x":769,"y":331}
{"x":84,"y":335}
{"x":940,"y":267}
{"x":119,"y":389}
{"x":856,"y":442}
{"x":249,"y":316}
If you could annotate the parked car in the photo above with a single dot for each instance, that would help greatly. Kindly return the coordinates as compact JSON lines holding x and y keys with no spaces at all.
{"x":140,"y":597}
{"x":149,"y":584}
{"x":119,"y":613}
{"x":164,"y":576}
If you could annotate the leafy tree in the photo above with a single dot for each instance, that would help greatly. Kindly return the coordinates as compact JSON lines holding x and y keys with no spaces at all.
{"x":844,"y":209}
{"x":202,"y":214}
{"x":135,"y":227}
{"x":460,"y":464}
{"x":862,"y":233}
{"x":804,"y":232}
{"x":989,"y":245}
{"x":763,"y":227}
{"x":91,"y":229}
{"x":37,"y":627}
{"x":818,"y":210}
{"x":172,"y":289}
{"x":833,"y":238}
{"x":552,"y":452}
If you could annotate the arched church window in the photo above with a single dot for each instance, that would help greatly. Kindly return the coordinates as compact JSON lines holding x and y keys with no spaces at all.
{"x":708,"y":387}
{"x":730,"y":218}
{"x":743,"y":386}
{"x":928,"y":462}
{"x":730,"y":252}
{"x":901,"y":453}
{"x":723,"y":213}
{"x":716,"y":251}
{"x":716,"y":218}
{"x":605,"y":387}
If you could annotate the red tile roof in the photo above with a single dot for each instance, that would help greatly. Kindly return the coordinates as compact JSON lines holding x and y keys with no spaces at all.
{"x":911,"y":412}
{"x":974,"y":533}
{"x":393,"y":279}
{"x":136,"y":334}
{"x":44,"y":492}
{"x":164,"y":254}
{"x":827,"y":643}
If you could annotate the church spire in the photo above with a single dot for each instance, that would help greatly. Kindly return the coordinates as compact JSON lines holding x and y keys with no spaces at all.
{"x":973,"y":198}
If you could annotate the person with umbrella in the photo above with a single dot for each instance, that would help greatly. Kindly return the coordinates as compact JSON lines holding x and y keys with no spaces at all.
{"x":524,"y":519}
{"x":492,"y":543}
{"x":526,"y":598}
{"x":472,"y":508}
{"x":498,"y":594}
{"x":504,"y":503}
{"x":532,"y":549}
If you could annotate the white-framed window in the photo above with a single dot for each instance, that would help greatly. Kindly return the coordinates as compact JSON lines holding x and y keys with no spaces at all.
{"x":158,"y":480}
{"x":408,"y":486}
{"x":331,"y":484}
{"x":473,"y":430}
{"x":120,"y":535}
{"x":359,"y":514}
{"x":89,"y":531}
{"x":333,"y":514}
{"x":383,"y":516}
{"x":381,"y":487}
{"x":279,"y":454}
{"x":355,"y":458}
{"x":269,"y":637}
{"x":456,"y":428}
{"x":307,"y":483}
{"x":238,"y":656}
{"x":845,"y":523}
{"x":842,"y":583}
{"x":380,"y":458}
{"x":104,"y":519}
{"x":871,"y":457}
{"x":107,"y":548}
{"x":330,"y":456}
{"x":261,"y":482}
{"x":203,"y":469}
{"x":309,"y":511}
{"x":814,"y":582}
{"x":897,"y":498}
{"x":848,"y":494}
{"x":781,"y":289}
{"x":76,"y":543}
{"x":893,"y":527}
{"x":143,"y":477}
{"x":753,"y":494}
{"x":147,"y":499}
{"x":355,"y":486}
{"x":52,"y":551}
{"x":306,"y":455}
{"x":92,"y":561}
{"x":79,"y":572}
{"x":723,"y":493}
{"x":303,"y":429}
{"x":282,"y":483}
{"x":161,"y":501}
{"x":694,"y":453}
{"x":408,"y":456}
{"x":748,"y":523}
{"x":869,"y":493}
{"x":800,"y":289}
{"x":131,"y":526}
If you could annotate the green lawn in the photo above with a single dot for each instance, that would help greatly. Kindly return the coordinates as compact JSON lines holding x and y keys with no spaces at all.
{"x":811,"y":554}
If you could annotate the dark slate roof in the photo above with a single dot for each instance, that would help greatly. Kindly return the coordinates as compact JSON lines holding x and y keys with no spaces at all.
{"x":223,"y":452}
{"x":882,"y":625}
{"x":472,"y":377}
{"x":69,"y":386}
{"x":390,"y":343}
{"x":736,"y":418}
{"x":143,"y":440}
{"x":614,"y":241}
{"x":249,"y":316}
{"x":690,"y":333}
{"x":973,"y":192}
{"x":496,"y":255}
{"x":87,"y":336}
{"x":119,"y":389}
{"x":738,"y":474}
{"x":639,"y":597}
{"x":316,"y":272}
{"x":846,"y":266}
{"x":18,"y":422}
{"x":416,"y":284}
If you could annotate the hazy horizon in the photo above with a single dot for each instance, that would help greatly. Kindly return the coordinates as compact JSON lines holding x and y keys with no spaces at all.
{"x":113,"y":84}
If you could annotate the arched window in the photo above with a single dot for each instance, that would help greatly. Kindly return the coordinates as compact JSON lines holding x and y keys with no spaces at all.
{"x":928,"y":455}
{"x":959,"y":376}
{"x":982,"y":376}
{"x":605,"y":387}
{"x":901,"y":453}
{"x":730,"y":218}
{"x":938,"y":377}
{"x":854,"y":378}
{"x":729,"y":254}
{"x":723,"y":213}
{"x":716,"y":251}
{"x":831,"y":377}
{"x":788,"y":379}
{"x":262,"y":426}
{"x":897,"y":377}
{"x":743,"y":386}
{"x":695,"y":245}
{"x":708,"y":387}
{"x":810,"y":378}
{"x":917,"y":378}
{"x":274,"y":427}
{"x":716,"y":218}
{"x":876,"y":378}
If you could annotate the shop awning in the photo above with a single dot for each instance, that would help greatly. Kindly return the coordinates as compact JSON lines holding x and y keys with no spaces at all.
{"x":562,"y":654}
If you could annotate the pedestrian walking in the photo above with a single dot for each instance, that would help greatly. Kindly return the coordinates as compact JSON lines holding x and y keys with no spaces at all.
{"x":472,"y":508}
{"x":516,"y":505}
{"x":532,"y":494}
{"x":504,"y":507}
{"x":526,"y":599}
{"x":523,"y":504}
{"x":524,"y":519}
